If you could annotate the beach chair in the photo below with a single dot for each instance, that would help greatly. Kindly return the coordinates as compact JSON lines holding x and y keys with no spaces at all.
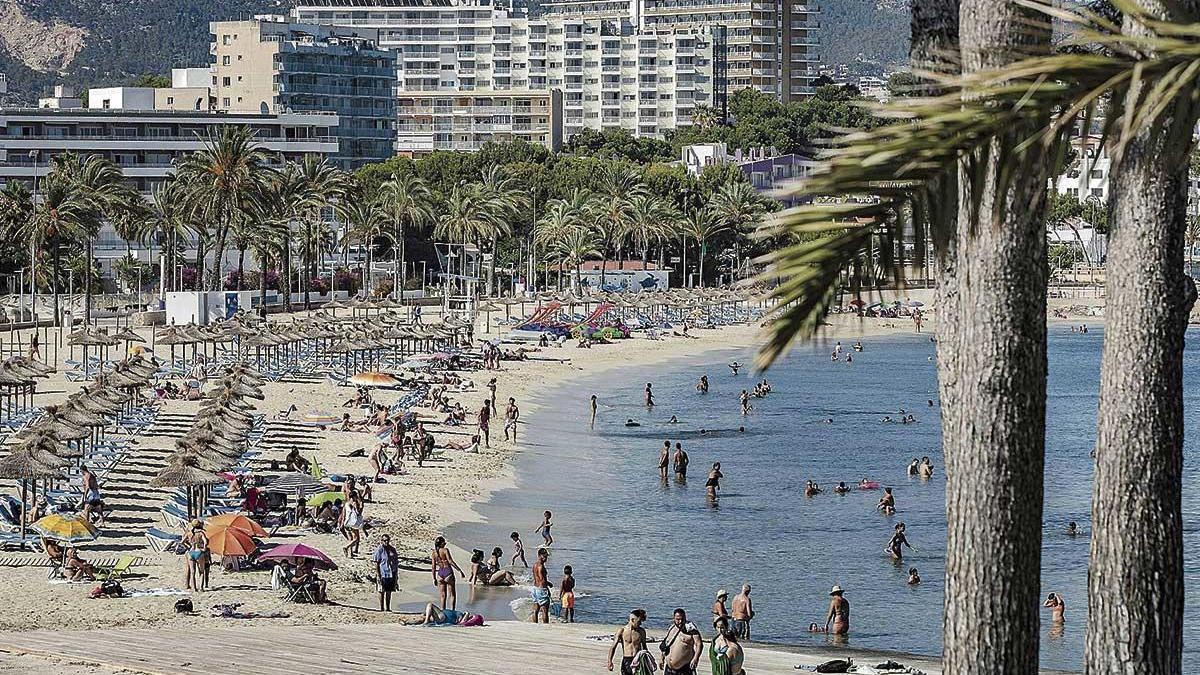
{"x":116,"y":571}
{"x":294,"y":592}
{"x":161,"y":541}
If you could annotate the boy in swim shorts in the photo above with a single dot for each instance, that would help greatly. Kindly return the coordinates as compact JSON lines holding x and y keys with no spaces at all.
{"x":567,"y":595}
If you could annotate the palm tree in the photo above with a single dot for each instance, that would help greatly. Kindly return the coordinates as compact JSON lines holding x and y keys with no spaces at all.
{"x":365,"y":223}
{"x":60,"y":217}
{"x":323,"y":184}
{"x":407,"y":201}
{"x":704,"y":117}
{"x":506,"y":201}
{"x":652,"y":220}
{"x":16,"y":210}
{"x":576,"y":244}
{"x":473,"y":214}
{"x":610,"y":209}
{"x":700,"y":225}
{"x":170,"y":225}
{"x":223,"y":178}
{"x":972,"y":168}
{"x":103,"y":187}
{"x":289,"y":196}
{"x":558,"y":220}
{"x":738,"y":206}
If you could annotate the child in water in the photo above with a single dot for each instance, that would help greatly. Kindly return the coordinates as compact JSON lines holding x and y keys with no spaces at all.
{"x":518,"y":550}
{"x":544,"y":529}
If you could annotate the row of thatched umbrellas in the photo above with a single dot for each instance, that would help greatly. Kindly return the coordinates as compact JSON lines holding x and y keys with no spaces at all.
{"x":18,"y":381}
{"x":217,"y":439}
{"x":59,"y":437}
{"x":655,"y":303}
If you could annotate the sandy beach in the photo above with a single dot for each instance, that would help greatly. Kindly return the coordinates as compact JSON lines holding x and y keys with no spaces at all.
{"x":413,"y":508}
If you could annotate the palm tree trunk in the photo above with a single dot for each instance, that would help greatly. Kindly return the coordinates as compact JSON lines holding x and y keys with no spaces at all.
{"x":87,"y":281}
{"x":491,"y":272}
{"x":701,"y":246}
{"x":403,"y":266}
{"x":285,"y":283}
{"x":162,"y":274}
{"x":54,"y":278}
{"x":306,"y":280}
{"x":1135,"y":572}
{"x":995,"y":443}
{"x":684,"y":281}
{"x":201,"y":253}
{"x":241,"y":266}
{"x":262,"y":282}
{"x":214,"y":282}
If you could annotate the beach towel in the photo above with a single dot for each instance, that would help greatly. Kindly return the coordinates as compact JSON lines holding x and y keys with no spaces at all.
{"x":644,"y":663}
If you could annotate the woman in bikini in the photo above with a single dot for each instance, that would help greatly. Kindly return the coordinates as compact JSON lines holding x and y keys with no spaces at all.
{"x":352,"y":525}
{"x":197,"y":558}
{"x":897,"y":542}
{"x":714,"y":479}
{"x":443,"y":569}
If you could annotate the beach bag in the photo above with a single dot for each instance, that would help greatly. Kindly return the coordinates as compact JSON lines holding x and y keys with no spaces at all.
{"x":183,"y":606}
{"x":835,"y":666}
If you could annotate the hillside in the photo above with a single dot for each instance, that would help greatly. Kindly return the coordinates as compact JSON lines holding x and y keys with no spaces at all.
{"x":109,"y":42}
{"x":869,"y":36}
{"x":98,"y":42}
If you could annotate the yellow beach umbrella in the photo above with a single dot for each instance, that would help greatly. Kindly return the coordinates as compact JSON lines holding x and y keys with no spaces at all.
{"x":67,"y":530}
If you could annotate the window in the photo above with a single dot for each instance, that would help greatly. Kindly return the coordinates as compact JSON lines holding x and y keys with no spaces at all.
{"x":170,"y":100}
{"x":225,"y":102}
{"x":225,"y":60}
{"x":225,"y":39}
{"x":106,"y":103}
{"x":224,"y":81}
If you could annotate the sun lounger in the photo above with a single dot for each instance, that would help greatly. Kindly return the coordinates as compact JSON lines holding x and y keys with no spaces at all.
{"x":116,"y":571}
{"x":161,"y":541}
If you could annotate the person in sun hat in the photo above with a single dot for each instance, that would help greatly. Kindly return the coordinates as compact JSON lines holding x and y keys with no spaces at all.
{"x":718,"y":609}
{"x":839,"y":612}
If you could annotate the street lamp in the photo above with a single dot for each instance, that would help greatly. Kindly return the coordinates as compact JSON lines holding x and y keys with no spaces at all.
{"x":33,"y":155}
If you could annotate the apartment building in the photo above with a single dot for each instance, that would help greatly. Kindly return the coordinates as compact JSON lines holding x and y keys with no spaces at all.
{"x":144,"y":143}
{"x":465,"y":120}
{"x":770,"y":45}
{"x":269,"y":65}
{"x":610,"y":74}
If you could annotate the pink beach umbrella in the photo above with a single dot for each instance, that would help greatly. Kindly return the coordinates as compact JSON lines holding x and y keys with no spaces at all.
{"x":295,"y":552}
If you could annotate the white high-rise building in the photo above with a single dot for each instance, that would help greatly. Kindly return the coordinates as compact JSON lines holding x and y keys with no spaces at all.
{"x":610,"y":73}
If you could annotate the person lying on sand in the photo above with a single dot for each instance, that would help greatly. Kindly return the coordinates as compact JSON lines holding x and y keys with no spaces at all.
{"x":436,"y":616}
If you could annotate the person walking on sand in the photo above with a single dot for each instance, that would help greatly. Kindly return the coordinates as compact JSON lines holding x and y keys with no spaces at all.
{"x":649,"y":396}
{"x":544,"y":530}
{"x":682,"y":646}
{"x":387,"y":567}
{"x":725,"y":648}
{"x":443,"y":568}
{"x":742,"y":613}
{"x":631,"y":638}
{"x":511,"y":414}
{"x":839,"y":612}
{"x":196,"y":561}
{"x":491,"y":387}
{"x":594,"y":405}
{"x":541,"y":589}
{"x":485,"y":417}
{"x":680,"y":462}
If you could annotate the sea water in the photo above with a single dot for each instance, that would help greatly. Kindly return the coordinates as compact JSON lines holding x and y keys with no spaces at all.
{"x":637,"y":541}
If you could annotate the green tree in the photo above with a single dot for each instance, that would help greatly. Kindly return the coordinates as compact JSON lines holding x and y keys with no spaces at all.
{"x":700,"y":225}
{"x":407,"y":202}
{"x":224,"y":179}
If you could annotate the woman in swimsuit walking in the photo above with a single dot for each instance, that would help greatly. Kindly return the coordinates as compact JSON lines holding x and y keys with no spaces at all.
{"x":663,"y":458}
{"x":839,"y":613}
{"x":714,"y":479}
{"x":443,"y":568}
{"x":897,"y":542}
{"x":197,"y":558}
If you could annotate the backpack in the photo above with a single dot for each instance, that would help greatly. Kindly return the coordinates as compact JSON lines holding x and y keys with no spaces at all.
{"x":835,"y":666}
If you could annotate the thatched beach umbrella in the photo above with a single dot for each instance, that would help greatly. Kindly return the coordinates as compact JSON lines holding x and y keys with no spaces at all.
{"x":24,"y":466}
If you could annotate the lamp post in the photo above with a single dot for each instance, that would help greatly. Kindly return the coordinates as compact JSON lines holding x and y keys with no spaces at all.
{"x":33,"y":155}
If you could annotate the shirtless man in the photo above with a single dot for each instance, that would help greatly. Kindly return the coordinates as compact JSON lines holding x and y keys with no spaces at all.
{"x":926,"y":468}
{"x":541,"y":589}
{"x":839,"y":613}
{"x":681,"y":647}
{"x":664,"y":456}
{"x":632,"y":639}
{"x":743,"y":612}
{"x":887,"y":503}
{"x":680,"y":461}
{"x":649,"y":396}
{"x":511,"y":414}
{"x":1058,"y":608}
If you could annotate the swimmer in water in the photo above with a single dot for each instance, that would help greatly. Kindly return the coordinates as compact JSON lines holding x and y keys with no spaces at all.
{"x":914,"y":577}
{"x":649,"y":396}
{"x":735,"y":367}
{"x":887,"y":503}
{"x":741,"y":430}
{"x":745,"y":399}
{"x":664,"y":457}
{"x":1072,"y":529}
{"x":811,"y":489}
{"x":1058,"y":608}
{"x":914,"y":467}
{"x":858,"y":346}
{"x":680,"y":462}
{"x":828,"y":420}
{"x":849,"y":359}
{"x":842,"y":488}
{"x":673,"y":420}
{"x":930,"y":403}
{"x":630,"y":423}
{"x":926,"y":468}
{"x":702,"y":385}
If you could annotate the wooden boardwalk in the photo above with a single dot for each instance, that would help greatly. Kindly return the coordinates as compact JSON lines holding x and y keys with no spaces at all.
{"x":502,"y":648}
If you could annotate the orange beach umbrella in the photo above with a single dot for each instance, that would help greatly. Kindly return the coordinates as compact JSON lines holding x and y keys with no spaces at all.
{"x":226,"y":541}
{"x":236,"y":521}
